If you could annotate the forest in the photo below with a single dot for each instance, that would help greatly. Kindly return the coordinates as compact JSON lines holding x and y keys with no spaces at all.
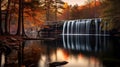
{"x":17,"y":16}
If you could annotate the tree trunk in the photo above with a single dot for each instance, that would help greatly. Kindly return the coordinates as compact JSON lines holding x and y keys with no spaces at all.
{"x":23,"y":30}
{"x":7,"y":17}
{"x":9,"y":24}
{"x":19,"y":18}
{"x":47,"y":10}
{"x":1,"y":31}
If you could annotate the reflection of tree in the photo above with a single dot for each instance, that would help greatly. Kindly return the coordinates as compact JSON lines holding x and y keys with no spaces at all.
{"x":32,"y":55}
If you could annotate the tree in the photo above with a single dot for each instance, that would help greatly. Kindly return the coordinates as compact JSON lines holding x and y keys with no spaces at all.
{"x":58,"y":5}
{"x":65,"y":12}
{"x":111,"y":14}
{"x":75,"y":12}
{"x":6,"y":11}
{"x":23,"y":30}
{"x":7,"y":17}
{"x":52,"y":8}
{"x":28,"y":5}
{"x":89,"y":10}
{"x":1,"y":31}
{"x":19,"y":18}
{"x":21,"y":10}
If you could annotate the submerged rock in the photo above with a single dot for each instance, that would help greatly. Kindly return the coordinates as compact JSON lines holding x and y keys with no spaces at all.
{"x":54,"y":64}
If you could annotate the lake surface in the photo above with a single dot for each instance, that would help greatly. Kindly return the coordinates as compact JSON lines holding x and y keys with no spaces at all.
{"x":77,"y":50}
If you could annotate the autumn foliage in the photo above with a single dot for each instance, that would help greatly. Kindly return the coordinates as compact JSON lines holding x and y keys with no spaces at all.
{"x":89,"y":10}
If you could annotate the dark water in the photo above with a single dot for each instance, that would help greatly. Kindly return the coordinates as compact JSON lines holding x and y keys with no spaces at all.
{"x":78,"y":51}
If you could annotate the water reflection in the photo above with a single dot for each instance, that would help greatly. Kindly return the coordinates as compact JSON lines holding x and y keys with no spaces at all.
{"x":80,"y":53}
{"x":85,"y":42}
{"x":53,"y":51}
{"x":79,"y":60}
{"x":74,"y":61}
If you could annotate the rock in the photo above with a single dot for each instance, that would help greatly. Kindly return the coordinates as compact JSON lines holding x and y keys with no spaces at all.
{"x":54,"y":64}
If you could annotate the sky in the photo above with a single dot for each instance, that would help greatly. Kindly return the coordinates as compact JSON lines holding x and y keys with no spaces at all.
{"x":73,"y":2}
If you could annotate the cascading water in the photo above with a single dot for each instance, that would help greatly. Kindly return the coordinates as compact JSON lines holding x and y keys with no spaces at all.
{"x":77,"y":34}
{"x":96,"y":32}
{"x":72,"y":31}
{"x":88,"y":22}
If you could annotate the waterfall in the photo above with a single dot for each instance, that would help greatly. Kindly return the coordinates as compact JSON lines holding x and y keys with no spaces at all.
{"x":77,"y":34}
{"x":96,"y":32}
{"x":88,"y":22}
{"x":76,"y":37}
{"x":72,"y":31}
